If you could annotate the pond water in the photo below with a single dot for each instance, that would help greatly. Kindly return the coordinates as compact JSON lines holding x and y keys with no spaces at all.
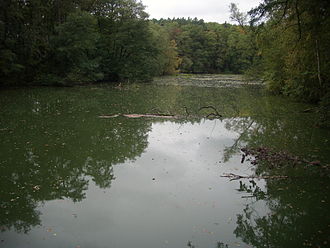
{"x":71,"y":179}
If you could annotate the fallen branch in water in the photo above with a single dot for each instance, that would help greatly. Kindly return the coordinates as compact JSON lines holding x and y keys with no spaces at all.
{"x":141,"y":115}
{"x":237,"y":177}
{"x":166,"y":116}
{"x":216,"y":114}
{"x":277,"y":159}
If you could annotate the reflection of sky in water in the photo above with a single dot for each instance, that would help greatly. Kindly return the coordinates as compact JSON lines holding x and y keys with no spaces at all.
{"x":53,"y":138}
{"x":171,"y":194}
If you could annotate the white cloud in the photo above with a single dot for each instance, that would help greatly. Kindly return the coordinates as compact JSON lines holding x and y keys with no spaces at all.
{"x":209,"y":10}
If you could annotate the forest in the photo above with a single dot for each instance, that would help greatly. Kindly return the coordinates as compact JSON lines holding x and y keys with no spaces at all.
{"x":60,"y":42}
{"x":120,"y":130}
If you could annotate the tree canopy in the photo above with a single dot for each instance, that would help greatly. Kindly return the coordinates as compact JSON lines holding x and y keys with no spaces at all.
{"x":68,"y":42}
{"x":293,"y":38}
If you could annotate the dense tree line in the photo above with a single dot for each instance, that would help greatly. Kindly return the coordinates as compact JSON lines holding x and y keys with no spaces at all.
{"x":65,"y":41}
{"x":210,"y":47}
{"x":293,"y":40}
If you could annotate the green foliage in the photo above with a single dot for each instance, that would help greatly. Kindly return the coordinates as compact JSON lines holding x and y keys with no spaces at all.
{"x":324,"y":110}
{"x":127,"y":52}
{"x":167,"y":61}
{"x":210,"y":47}
{"x":69,"y":42}
{"x":293,"y":41}
{"x":73,"y":57}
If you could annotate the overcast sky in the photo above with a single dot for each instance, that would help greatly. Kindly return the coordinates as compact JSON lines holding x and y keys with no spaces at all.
{"x":208,"y":10}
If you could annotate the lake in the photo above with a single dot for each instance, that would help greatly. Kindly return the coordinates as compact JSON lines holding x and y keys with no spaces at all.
{"x":72,"y":179}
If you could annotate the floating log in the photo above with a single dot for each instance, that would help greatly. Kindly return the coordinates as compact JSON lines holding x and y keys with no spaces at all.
{"x":214,"y":115}
{"x":134,"y":116}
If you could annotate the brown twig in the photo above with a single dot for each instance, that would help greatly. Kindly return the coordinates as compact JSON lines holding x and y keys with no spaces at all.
{"x":237,"y":177}
{"x":216,"y":114}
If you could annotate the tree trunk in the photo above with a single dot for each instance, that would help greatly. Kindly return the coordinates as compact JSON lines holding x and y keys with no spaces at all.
{"x":318,"y":62}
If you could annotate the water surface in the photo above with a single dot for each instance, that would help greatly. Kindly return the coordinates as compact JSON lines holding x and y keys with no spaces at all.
{"x":72,"y":179}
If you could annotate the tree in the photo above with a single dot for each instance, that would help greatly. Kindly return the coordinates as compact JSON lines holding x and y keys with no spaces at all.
{"x":294,"y":38}
{"x":73,"y":57}
{"x":236,"y":15}
{"x":210,"y":47}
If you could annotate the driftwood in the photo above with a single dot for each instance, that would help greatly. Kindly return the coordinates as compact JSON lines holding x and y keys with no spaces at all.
{"x":237,"y":177}
{"x":166,"y":116}
{"x":277,"y":159}
{"x":141,"y":115}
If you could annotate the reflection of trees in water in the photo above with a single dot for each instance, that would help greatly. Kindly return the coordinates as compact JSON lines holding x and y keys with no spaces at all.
{"x":101,"y":172}
{"x":218,"y":245}
{"x":62,"y":167}
{"x":244,"y":127}
{"x":292,"y":133}
{"x":18,"y":210}
{"x":58,"y":143}
{"x":297,"y":207}
{"x":296,"y":214}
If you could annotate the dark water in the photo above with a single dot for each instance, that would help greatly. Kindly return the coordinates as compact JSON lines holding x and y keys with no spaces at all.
{"x":71,"y":179}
